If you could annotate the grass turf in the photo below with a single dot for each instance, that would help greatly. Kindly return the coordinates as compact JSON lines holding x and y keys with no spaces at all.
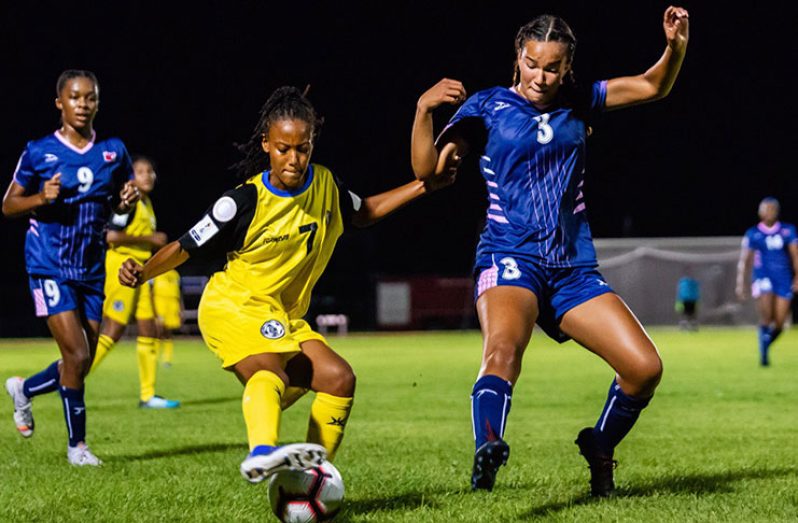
{"x":718,"y":442}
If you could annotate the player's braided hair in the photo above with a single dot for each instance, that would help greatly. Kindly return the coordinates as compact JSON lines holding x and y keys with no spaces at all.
{"x":69,"y":74}
{"x":284,"y":103}
{"x":546,"y":28}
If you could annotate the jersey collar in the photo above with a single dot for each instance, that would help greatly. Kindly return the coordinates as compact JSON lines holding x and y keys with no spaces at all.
{"x":81,"y":150}
{"x":281,"y":192}
{"x":768,"y":230}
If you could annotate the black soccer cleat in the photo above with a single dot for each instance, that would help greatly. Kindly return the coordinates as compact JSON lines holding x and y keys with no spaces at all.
{"x":602,"y":483}
{"x":487,"y":460}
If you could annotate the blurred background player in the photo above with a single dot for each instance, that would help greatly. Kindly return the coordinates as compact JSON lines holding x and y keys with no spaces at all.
{"x":134,"y":236}
{"x":68,"y":182}
{"x":535,"y":260}
{"x":278,"y":230}
{"x":168,"y":304}
{"x":688,"y":293}
{"x":771,"y":247}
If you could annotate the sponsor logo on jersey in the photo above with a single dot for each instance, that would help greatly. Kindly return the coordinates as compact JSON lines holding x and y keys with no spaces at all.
{"x":109,"y":156}
{"x":204,"y":230}
{"x":272,"y":330}
{"x":276,"y":239}
{"x":50,"y":158}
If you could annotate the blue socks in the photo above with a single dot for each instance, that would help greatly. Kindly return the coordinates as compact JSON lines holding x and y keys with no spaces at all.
{"x":490,"y":404}
{"x":617,"y":419}
{"x":74,"y":413}
{"x":767,"y":335}
{"x":43,"y":382}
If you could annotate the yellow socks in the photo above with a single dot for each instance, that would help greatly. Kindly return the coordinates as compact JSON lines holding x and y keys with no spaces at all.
{"x":328,"y":415}
{"x":147,"y":356}
{"x":104,"y":346}
{"x":167,"y":349}
{"x":261,"y":406}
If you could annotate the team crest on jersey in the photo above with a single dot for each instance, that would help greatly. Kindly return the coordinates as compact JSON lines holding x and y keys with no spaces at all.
{"x":109,"y":156}
{"x":272,"y":330}
{"x":50,"y":158}
{"x":500,"y":106}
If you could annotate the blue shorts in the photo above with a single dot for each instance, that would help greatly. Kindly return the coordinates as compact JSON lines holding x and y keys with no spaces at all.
{"x":781,"y":286}
{"x":54,"y":295}
{"x":558,"y":290}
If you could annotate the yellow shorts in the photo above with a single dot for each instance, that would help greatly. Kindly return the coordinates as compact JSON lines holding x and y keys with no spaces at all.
{"x":120,"y":301}
{"x":168,"y":311}
{"x":233,"y":331}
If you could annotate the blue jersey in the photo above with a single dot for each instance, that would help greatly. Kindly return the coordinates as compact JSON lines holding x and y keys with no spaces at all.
{"x":533,"y":163}
{"x":770,"y":246}
{"x":687,"y":289}
{"x":66,"y":238}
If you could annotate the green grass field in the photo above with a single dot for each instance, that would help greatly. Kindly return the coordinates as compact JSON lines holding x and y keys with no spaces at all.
{"x":718,"y":443}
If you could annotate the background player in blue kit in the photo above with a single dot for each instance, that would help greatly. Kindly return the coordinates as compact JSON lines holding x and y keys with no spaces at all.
{"x":69,"y":183}
{"x":535,"y":260}
{"x":771,"y":247}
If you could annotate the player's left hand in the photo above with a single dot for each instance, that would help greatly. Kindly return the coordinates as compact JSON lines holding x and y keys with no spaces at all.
{"x":130,"y":273}
{"x":449,"y":161}
{"x":128,"y":196}
{"x":676,"y":23}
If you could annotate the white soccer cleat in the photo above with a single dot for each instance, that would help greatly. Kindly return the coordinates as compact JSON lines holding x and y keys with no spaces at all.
{"x":23,"y":414}
{"x":297,"y":456}
{"x":81,"y":456}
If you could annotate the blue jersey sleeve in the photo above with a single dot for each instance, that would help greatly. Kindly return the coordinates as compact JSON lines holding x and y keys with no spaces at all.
{"x":25,"y":173}
{"x":467,"y":123}
{"x":748,"y":238}
{"x":792,"y":236}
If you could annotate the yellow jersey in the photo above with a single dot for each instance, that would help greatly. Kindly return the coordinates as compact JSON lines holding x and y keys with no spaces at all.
{"x":140,"y":222}
{"x":167,"y":285}
{"x":277,"y":242}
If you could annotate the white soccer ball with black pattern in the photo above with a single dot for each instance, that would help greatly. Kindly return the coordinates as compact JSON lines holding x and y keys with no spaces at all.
{"x":307,"y":496}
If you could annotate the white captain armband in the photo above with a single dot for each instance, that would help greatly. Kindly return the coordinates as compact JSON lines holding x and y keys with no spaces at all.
{"x":203,"y":231}
{"x":356,"y":201}
{"x":120,"y":220}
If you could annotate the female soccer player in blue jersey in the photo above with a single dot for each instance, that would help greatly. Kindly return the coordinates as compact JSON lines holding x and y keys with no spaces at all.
{"x":278,"y":230}
{"x":535,"y":260}
{"x":69,"y":182}
{"x":771,"y":247}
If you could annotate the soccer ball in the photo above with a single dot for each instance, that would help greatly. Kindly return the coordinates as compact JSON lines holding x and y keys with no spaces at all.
{"x":307,"y":496}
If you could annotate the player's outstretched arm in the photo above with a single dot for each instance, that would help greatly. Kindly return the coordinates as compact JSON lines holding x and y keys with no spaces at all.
{"x":153,"y":241}
{"x":657,"y":82}
{"x":133,"y":274}
{"x":375,"y":208}
{"x":17,"y":203}
{"x":744,"y":272}
{"x":424,"y":156}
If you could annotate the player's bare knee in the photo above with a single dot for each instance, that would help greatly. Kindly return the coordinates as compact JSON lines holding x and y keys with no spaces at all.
{"x":341,"y":382}
{"x":504,"y":356}
{"x":645,"y":376}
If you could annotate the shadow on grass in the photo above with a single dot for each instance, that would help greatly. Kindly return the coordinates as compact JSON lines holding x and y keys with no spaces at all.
{"x":695,"y":484}
{"x":182,"y":451}
{"x":406,"y":501}
{"x":211,"y":401}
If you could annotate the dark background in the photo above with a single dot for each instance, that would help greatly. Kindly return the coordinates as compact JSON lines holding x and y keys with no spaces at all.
{"x":181,"y":83}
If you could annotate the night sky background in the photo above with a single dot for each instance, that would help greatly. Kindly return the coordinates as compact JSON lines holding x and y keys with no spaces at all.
{"x":181,"y":83}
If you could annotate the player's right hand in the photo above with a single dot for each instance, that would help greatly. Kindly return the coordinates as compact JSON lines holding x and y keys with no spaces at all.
{"x":51,"y":189}
{"x":130,"y":273}
{"x":740,"y":292}
{"x":446,"y":91}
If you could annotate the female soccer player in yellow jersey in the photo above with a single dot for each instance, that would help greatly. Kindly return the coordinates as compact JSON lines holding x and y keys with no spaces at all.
{"x":279,"y":230}
{"x":134,"y":236}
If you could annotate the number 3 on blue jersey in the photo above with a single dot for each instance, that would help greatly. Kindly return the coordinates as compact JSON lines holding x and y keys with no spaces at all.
{"x":545,"y":131}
